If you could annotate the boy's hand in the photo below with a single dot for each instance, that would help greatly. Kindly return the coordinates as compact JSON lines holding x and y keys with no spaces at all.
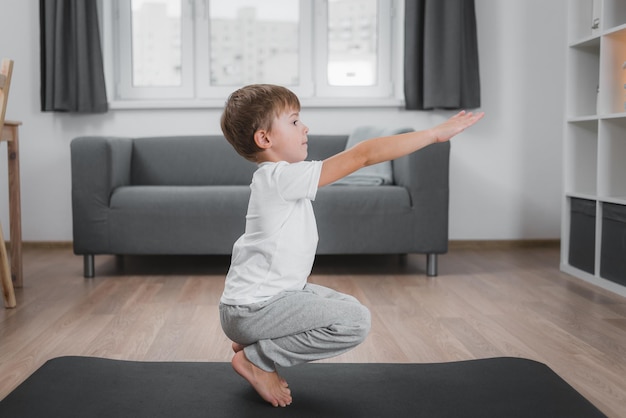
{"x":388,"y":148}
{"x":455,"y":125}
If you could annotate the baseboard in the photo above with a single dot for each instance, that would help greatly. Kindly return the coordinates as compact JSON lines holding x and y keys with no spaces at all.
{"x":503,"y":244}
{"x":46,"y":244}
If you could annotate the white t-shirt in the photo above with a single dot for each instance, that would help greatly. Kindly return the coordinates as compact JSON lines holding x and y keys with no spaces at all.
{"x":277,"y":250}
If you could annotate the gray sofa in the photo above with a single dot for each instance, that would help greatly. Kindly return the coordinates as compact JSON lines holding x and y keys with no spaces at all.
{"x":188,"y":195}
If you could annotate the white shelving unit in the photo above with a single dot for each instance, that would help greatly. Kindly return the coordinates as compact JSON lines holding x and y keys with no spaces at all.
{"x":594,"y":149}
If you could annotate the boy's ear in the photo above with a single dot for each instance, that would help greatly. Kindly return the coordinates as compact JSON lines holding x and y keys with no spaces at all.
{"x":261,"y":139}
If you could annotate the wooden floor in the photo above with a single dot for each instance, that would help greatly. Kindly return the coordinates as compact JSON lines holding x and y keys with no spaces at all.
{"x":485,"y":303}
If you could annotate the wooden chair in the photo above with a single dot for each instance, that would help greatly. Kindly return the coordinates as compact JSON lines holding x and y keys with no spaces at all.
{"x":6,"y":70}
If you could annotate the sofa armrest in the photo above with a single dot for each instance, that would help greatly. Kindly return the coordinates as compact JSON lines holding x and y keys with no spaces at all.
{"x":425,"y":174}
{"x":99,"y":165}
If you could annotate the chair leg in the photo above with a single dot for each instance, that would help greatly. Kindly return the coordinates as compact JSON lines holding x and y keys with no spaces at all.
{"x":5,"y":274}
{"x":89,"y":270}
{"x":431,"y":264}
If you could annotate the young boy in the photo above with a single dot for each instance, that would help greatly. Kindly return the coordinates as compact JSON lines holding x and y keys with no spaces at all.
{"x":269,"y":311}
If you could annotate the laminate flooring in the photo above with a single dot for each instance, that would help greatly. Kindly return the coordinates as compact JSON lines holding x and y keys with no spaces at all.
{"x":486,"y":302}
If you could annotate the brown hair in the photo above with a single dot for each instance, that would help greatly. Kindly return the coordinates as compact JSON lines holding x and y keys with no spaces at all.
{"x":252,"y":108}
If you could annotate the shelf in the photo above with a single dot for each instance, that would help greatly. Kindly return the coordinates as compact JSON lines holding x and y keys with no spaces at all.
{"x":613,"y":13}
{"x":614,"y":29}
{"x":593,"y":221}
{"x":618,"y":200}
{"x":589,"y":42}
{"x":612,"y":158}
{"x":584,"y":79}
{"x":581,"y":18}
{"x":581,"y":196}
{"x":621,"y":115}
{"x":612,"y":95}
{"x":586,"y":118}
{"x":581,"y":157}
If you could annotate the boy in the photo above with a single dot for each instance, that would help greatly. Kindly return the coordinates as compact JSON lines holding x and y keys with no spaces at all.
{"x":269,"y":311}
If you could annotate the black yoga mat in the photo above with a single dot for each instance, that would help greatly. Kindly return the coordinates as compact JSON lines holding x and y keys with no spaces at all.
{"x":96,"y":387}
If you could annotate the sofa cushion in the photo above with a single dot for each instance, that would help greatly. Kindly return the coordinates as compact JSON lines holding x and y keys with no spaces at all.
{"x":345,"y":200}
{"x":196,"y":219}
{"x":363,"y":219}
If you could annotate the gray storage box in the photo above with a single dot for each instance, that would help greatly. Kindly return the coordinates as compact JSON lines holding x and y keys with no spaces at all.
{"x":582,"y":239}
{"x":613,"y":249}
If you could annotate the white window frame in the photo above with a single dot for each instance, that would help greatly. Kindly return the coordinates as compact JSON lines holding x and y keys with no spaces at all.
{"x":196,"y":91}
{"x":124,"y":88}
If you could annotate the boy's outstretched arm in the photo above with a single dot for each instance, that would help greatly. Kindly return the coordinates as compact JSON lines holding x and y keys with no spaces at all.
{"x":387,"y":148}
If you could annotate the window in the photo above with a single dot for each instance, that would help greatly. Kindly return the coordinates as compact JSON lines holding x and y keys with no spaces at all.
{"x":199,"y":51}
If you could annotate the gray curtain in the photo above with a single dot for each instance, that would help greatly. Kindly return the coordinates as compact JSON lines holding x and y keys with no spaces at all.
{"x":441,"y":55}
{"x":72,"y":75}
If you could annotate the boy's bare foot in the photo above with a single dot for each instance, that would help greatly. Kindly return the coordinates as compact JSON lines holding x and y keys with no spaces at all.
{"x":239,"y":347}
{"x":269,"y":385}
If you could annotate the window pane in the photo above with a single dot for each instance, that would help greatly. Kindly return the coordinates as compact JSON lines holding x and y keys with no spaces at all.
{"x":352,"y":42}
{"x":254,"y":42}
{"x":156,"y":43}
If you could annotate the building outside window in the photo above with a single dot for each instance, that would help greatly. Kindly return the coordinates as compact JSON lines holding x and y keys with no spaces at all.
{"x":201,"y":50}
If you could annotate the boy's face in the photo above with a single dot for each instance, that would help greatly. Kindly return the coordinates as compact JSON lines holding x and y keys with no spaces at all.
{"x":287,"y":138}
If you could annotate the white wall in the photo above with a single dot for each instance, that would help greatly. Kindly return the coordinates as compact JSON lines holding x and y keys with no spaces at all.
{"x":505,"y":172}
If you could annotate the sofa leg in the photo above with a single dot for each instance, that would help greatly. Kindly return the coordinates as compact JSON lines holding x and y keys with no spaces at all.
{"x":431,"y":264}
{"x":88,"y":266}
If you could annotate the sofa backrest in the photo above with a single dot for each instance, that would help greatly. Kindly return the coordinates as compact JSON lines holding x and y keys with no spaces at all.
{"x":324,"y":146}
{"x":205,"y":160}
{"x":187,"y":161}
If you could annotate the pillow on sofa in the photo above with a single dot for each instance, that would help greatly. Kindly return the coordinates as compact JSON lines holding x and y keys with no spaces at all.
{"x":377,"y":174}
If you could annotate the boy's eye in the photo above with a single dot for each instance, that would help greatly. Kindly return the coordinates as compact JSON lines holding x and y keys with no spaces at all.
{"x":295,"y":122}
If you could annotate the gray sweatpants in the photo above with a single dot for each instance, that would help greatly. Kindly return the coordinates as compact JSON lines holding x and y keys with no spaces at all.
{"x":297,"y":326}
